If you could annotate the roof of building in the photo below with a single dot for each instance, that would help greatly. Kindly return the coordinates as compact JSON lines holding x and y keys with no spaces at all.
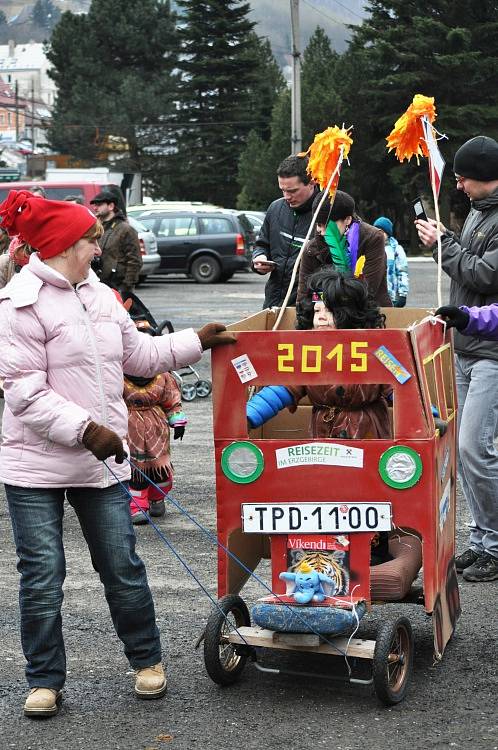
{"x":29,"y":56}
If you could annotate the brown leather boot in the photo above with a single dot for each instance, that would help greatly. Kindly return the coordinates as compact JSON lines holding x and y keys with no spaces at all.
{"x":42,"y":702}
{"x":150,"y":682}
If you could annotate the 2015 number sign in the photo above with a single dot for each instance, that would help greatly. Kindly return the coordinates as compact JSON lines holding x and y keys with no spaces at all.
{"x":310,"y":358}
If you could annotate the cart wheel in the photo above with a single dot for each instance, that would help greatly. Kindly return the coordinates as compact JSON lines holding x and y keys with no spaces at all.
{"x":224,"y":661}
{"x":393,"y":661}
{"x":203,"y":388}
{"x":188,"y":392}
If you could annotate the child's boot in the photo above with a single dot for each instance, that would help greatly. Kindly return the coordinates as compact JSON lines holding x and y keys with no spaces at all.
{"x":156,"y":497}
{"x":139,"y":505}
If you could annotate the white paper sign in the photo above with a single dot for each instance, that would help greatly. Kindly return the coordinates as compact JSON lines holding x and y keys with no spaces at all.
{"x":244,"y":368}
{"x":327,"y":454}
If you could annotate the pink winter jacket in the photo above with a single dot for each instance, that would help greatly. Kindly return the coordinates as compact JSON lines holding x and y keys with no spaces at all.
{"x":62,"y":354}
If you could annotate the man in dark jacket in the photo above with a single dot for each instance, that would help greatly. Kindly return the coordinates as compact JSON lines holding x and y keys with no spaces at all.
{"x":284,"y":229}
{"x":472,"y":264}
{"x":121,"y":260}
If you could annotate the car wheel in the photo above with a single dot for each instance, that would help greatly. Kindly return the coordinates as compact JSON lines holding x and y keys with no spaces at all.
{"x":141,"y":280}
{"x":205,"y":269}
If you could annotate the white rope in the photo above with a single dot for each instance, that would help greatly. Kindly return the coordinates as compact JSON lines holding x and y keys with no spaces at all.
{"x":298,"y":259}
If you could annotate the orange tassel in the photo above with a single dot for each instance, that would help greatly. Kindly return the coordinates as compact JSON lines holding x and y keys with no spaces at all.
{"x":407,"y":136}
{"x":324,"y":155}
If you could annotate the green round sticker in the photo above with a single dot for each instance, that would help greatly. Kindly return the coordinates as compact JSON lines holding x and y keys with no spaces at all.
{"x":400,"y":467}
{"x":242,"y":462}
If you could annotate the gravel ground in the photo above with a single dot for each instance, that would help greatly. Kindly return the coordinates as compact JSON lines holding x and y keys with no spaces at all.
{"x":451,"y":705}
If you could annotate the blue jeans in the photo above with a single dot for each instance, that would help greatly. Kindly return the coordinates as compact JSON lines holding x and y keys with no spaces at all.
{"x":104,"y":518}
{"x":477,"y":387}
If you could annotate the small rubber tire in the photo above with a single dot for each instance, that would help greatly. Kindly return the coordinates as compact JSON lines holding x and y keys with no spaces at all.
{"x":393,"y":660}
{"x":205,"y":269}
{"x":188,"y":392}
{"x":203,"y":388}
{"x":225,"y":662}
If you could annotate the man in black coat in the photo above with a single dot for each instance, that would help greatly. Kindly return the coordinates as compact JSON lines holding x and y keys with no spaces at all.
{"x":284,"y":229}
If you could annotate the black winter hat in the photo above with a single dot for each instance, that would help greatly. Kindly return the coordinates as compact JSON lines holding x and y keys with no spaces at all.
{"x":344,"y":206}
{"x":477,"y":159}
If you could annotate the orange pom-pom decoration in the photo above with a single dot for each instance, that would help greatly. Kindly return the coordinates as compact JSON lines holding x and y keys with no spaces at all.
{"x":407,"y":136}
{"x":324,"y":154}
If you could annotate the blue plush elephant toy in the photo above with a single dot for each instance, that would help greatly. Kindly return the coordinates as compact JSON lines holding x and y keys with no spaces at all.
{"x":308,"y":584}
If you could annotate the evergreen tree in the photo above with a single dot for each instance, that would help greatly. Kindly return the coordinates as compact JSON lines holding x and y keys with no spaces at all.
{"x":46,"y":14}
{"x":114,"y":73}
{"x":216,"y":93}
{"x":320,"y":109}
{"x":447,"y":50}
{"x":259,"y":161}
{"x":320,"y":99}
{"x":3,"y":18}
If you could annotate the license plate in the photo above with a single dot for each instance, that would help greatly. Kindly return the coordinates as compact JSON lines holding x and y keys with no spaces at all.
{"x":314,"y":518}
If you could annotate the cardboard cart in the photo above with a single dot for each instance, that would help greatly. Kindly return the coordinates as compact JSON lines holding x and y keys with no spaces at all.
{"x":315,"y":505}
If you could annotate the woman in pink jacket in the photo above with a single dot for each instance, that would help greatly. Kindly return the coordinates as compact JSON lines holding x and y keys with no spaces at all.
{"x":65,"y":341}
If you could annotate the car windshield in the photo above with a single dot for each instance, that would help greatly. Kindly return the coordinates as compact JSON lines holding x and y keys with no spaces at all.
{"x":137,"y":225}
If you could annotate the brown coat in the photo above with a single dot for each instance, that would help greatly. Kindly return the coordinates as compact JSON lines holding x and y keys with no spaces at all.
{"x":317,"y":255}
{"x":121,"y":258}
{"x":347,"y":411}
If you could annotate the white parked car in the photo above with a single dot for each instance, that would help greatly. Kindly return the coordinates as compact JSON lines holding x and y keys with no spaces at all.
{"x":151,"y":260}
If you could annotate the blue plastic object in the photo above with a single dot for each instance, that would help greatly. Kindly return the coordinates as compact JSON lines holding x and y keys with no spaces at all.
{"x":267,"y":403}
{"x":292,"y":619}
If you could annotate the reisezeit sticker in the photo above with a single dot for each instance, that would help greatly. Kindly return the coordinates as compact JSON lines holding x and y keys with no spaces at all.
{"x":392,"y":364}
{"x":326,"y":454}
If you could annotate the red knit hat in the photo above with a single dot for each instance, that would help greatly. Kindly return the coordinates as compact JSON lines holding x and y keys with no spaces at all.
{"x":49,"y":226}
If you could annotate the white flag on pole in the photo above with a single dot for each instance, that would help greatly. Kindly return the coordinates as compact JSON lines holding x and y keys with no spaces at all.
{"x":436,"y":161}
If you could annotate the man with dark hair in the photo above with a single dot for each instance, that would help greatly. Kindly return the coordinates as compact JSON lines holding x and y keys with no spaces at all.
{"x":471,"y":261}
{"x":284,"y":229}
{"x":121,"y":260}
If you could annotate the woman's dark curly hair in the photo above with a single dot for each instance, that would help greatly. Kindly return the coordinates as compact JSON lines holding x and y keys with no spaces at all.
{"x":346,"y":297}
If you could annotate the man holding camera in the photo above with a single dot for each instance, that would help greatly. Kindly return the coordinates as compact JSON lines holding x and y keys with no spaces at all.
{"x":472,"y":264}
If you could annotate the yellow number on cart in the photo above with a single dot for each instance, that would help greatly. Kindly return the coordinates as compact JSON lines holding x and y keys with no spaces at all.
{"x":305,"y":359}
{"x":286,"y":361}
{"x":311,"y":357}
{"x":360,"y":356}
{"x":337,"y":353}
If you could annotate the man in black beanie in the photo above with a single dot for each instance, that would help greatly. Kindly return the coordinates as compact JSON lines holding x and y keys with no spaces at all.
{"x":284,"y":229}
{"x":471,"y":261}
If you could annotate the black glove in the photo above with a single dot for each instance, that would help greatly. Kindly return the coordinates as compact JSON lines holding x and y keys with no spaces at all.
{"x":400,"y":302}
{"x":179,"y":432}
{"x":453,"y":317}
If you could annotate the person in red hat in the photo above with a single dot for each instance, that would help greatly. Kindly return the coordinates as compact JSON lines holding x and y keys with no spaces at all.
{"x":65,"y":342}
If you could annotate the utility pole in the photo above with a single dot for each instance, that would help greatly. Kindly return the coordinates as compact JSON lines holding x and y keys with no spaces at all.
{"x":16,"y":104}
{"x":296,"y":138}
{"x":33,"y":113}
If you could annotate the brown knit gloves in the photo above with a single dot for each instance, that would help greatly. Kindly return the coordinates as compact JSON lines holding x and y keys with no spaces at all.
{"x":213,"y":334}
{"x":103,"y":442}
